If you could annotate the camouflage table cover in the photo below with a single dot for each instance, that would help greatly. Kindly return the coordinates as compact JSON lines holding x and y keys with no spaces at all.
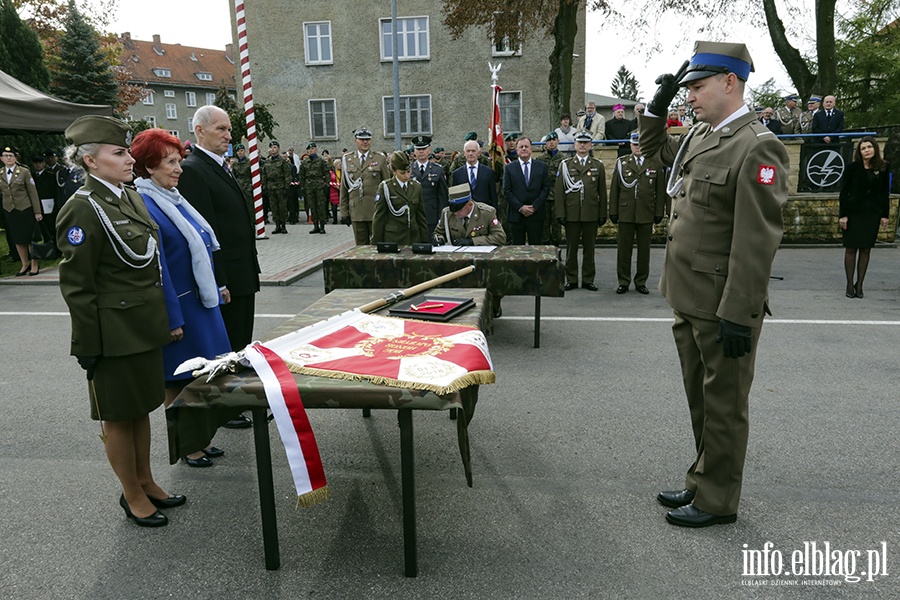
{"x":507,"y":271}
{"x":202,"y":407}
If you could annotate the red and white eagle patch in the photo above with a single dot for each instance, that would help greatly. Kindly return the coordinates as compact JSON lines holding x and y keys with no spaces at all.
{"x":495,"y":222}
{"x":765,"y":175}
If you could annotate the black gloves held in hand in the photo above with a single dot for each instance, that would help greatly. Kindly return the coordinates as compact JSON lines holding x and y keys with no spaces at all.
{"x":561,"y":221}
{"x":657,"y":220}
{"x":436,"y":241}
{"x":601,"y":221}
{"x":88,"y":363}
{"x":463,"y":242}
{"x":614,"y":219}
{"x":345,"y":221}
{"x":735,"y":339}
{"x":666,"y":92}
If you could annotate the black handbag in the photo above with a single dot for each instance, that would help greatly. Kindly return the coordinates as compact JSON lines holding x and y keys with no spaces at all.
{"x":40,"y":249}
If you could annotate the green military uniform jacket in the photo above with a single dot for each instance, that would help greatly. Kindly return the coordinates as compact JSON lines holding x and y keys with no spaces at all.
{"x":115,"y":299}
{"x":806,"y":119}
{"x":399,"y":214}
{"x":789,"y":119}
{"x":552,"y":163}
{"x":483,"y":228}
{"x":241,"y":171}
{"x":637,"y":193}
{"x":581,"y":190}
{"x":276,"y":174}
{"x":314,"y":175}
{"x":19,"y":193}
{"x":360,"y":183}
{"x":726,"y":220}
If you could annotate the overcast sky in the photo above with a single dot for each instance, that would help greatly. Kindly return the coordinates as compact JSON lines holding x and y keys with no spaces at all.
{"x":206,"y":24}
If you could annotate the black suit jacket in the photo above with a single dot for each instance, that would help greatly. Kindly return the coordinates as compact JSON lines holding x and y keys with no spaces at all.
{"x":485,"y":190}
{"x":217,"y":196}
{"x":517,"y":194}
{"x":774,"y":126}
{"x":822,"y":124}
{"x":434,"y":189}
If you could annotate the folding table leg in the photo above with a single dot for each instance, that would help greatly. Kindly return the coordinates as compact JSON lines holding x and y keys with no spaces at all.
{"x":266,"y":489}
{"x":408,"y":478}
{"x":537,"y":321}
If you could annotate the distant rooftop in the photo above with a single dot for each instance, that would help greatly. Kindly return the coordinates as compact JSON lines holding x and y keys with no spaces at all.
{"x":174,"y":64}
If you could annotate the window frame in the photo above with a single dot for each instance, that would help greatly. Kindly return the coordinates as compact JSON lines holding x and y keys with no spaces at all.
{"x":389,"y":123}
{"x":150,"y":119}
{"x":312,"y":131}
{"x":381,"y":38}
{"x":210,"y":97}
{"x":206,"y":76}
{"x":318,"y":38}
{"x":148,"y":99}
{"x":171,"y":110}
{"x":190,"y":99}
{"x":502,"y":120}
{"x":162,"y":72}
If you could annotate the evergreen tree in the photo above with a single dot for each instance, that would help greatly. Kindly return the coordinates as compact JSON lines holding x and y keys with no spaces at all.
{"x":82,"y":72}
{"x":265,"y":122}
{"x":21,"y":54}
{"x":625,"y":85}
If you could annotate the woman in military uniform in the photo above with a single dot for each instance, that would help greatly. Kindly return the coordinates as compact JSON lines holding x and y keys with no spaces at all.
{"x":110,"y":279}
{"x":399,"y":210}
{"x":21,"y":207}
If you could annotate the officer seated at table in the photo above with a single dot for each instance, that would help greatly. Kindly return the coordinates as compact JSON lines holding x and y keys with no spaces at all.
{"x":468,"y":223}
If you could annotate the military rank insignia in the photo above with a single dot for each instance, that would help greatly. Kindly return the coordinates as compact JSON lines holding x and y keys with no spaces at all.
{"x":765,"y":175}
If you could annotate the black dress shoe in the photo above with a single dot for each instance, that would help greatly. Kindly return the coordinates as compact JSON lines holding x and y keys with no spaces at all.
{"x":170,"y":502}
{"x":642,"y":289}
{"x":199,"y":463}
{"x":589,"y":286}
{"x":240,"y":422}
{"x":157,"y":519}
{"x":851,"y":291}
{"x":498,"y":312}
{"x":691,"y":516}
{"x":675,"y":499}
{"x":621,"y":289}
{"x":570,"y":286}
{"x":213,"y":452}
{"x":23,"y":273}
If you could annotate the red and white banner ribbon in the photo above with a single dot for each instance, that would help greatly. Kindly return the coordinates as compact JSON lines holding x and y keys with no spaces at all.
{"x":293,"y":425}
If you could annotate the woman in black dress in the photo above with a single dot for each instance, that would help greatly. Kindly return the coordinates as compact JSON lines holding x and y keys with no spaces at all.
{"x":864,"y":207}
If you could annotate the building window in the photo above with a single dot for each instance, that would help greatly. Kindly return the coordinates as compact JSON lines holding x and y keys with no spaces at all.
{"x":148,"y":99}
{"x":162,"y":72}
{"x":190,"y":125}
{"x":415,"y":115}
{"x":210,"y":97}
{"x":169,"y":93}
{"x":171,"y":112}
{"x":204,"y":76}
{"x":151,"y":119}
{"x":317,"y":41}
{"x":190,"y":98}
{"x":511,"y":111}
{"x":322,"y":119}
{"x":412,"y":39}
{"x":174,"y":132}
{"x":502,"y":46}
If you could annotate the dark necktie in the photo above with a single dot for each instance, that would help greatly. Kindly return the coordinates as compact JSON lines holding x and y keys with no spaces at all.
{"x":588,"y":121}
{"x":472,"y":177}
{"x":525,"y":171}
{"x":465,"y":223}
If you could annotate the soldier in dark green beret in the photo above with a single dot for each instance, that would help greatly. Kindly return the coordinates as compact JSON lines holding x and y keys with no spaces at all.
{"x":276,"y":181}
{"x":399,"y":209}
{"x":314,"y":176}
{"x":552,"y":157}
{"x":240,"y":168}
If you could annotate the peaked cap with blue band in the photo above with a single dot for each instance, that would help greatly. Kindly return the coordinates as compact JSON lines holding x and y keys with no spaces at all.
{"x":458,"y":196}
{"x":713,"y":58}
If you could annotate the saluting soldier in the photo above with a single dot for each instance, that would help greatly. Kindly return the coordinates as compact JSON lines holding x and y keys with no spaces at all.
{"x":789,"y":114}
{"x":552,"y":157}
{"x":729,"y":183}
{"x":362,"y":171}
{"x":314,"y":176}
{"x":581,"y":208}
{"x":240,"y":168}
{"x":806,"y":117}
{"x":276,"y":180}
{"x":636,"y":201}
{"x":431,"y":177}
{"x":399,"y":208}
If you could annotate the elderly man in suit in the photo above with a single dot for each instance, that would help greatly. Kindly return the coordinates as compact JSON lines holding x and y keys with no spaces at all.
{"x":767,"y":118}
{"x":729,"y":183}
{"x":526,"y":183}
{"x":210,"y":187}
{"x":481,"y":179}
{"x":828,"y":120}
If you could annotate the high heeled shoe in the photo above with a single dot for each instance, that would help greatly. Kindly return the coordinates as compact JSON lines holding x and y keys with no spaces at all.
{"x":157,"y":519}
{"x":213,"y":452}
{"x":851,"y":291}
{"x":22,"y":273}
{"x":172,"y":501}
{"x":33,"y":273}
{"x":858,"y":290}
{"x":200,"y":463}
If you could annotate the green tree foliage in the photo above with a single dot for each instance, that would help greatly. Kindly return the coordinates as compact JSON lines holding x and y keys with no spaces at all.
{"x":625,"y":85}
{"x":82,"y":71}
{"x":265,"y":122}
{"x":869,"y":64}
{"x":21,"y":55}
{"x":765,"y":95}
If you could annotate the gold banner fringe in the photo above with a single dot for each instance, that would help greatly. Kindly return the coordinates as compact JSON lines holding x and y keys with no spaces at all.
{"x":312,"y":498}
{"x":473,"y":378}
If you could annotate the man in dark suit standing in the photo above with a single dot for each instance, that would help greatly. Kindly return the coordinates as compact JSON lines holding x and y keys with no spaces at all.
{"x":526,"y":184}
{"x":481,"y":179}
{"x":768,"y":119}
{"x":828,"y":120}
{"x":211,"y":188}
{"x":430,"y":176}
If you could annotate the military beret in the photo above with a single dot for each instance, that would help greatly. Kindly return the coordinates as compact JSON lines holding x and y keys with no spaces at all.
{"x":8,"y":149}
{"x":311,"y":145}
{"x":470,"y":136}
{"x":399,"y":161}
{"x":552,"y":136}
{"x":98,"y":130}
{"x":38,"y":158}
{"x":635,"y":138}
{"x":713,"y":58}
{"x":511,"y":136}
{"x":438,"y":149}
{"x":362,"y":133}
{"x":421,"y":141}
{"x":274,"y":144}
{"x":50,"y":152}
{"x":239,"y":147}
{"x":583,"y":135}
{"x":459,"y":195}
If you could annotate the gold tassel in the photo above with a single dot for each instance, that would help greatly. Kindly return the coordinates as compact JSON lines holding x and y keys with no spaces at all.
{"x":312,"y":498}
{"x":103,"y":435}
{"x":472,"y":378}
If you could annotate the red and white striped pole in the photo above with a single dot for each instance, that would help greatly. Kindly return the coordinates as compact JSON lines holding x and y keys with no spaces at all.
{"x":250,"y":115}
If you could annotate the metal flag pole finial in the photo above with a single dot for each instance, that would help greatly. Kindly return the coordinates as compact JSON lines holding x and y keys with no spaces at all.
{"x":494,"y":70}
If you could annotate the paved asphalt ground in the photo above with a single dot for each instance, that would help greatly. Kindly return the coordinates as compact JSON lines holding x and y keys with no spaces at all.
{"x":570,"y":447}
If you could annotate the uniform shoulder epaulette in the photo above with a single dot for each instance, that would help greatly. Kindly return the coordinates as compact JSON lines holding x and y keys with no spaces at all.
{"x":484,"y":207}
{"x":82,"y":192}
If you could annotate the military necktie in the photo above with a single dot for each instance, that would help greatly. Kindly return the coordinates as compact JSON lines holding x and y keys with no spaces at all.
{"x":362,"y":159}
{"x":472,"y":177}
{"x":465,"y":223}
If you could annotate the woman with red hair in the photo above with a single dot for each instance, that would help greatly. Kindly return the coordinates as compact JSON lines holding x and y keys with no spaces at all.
{"x":185,"y":252}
